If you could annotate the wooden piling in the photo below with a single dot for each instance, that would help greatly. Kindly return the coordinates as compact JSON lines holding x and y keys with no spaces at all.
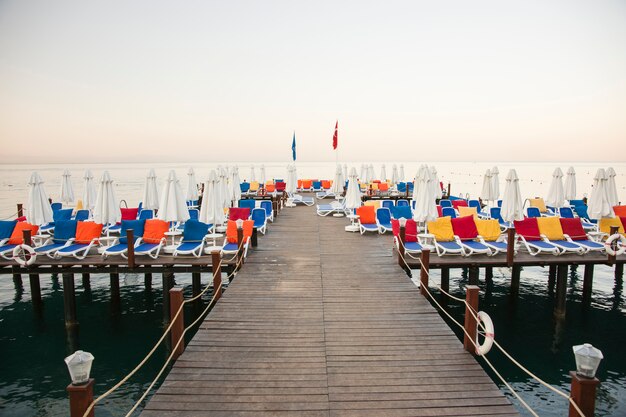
{"x":424,"y":271}
{"x":515,"y":279}
{"x":147,"y":281}
{"x":551,"y":278}
{"x":473,"y":275}
{"x":178,"y":324}
{"x":130,"y":253}
{"x":619,"y":271}
{"x":86,"y":279}
{"x":196,"y":284}
{"x":510,"y":246}
{"x":240,"y":248}
{"x":561,"y":291}
{"x":69,"y":300}
{"x":445,"y":282}
{"x":612,"y":258}
{"x":217,"y":273}
{"x":33,"y":278}
{"x":588,"y":283}
{"x":471,"y":297}
{"x":114,"y":279}
{"x":17,"y":277}
{"x":489,"y":274}
{"x":168,"y":282}
{"x":401,"y":250}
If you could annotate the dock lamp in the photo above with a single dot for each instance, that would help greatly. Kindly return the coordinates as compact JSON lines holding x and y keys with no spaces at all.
{"x":81,"y":389}
{"x":79,"y":366}
{"x":584,"y":381}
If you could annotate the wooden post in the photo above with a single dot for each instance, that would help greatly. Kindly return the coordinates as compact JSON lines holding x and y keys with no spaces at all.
{"x":449,"y":190}
{"x":515,"y":279}
{"x":196,"y":283}
{"x":69,"y":300}
{"x":275,"y":207}
{"x":551,"y":278}
{"x":254,"y":238}
{"x":619,"y":271}
{"x":147,"y":281}
{"x":115,"y":291}
{"x":445,"y":282}
{"x":17,"y":277}
{"x":488,"y":274}
{"x":86,"y":278}
{"x":168,"y":283}
{"x":510,"y":246}
{"x":239,"y":248}
{"x":588,"y":283}
{"x":613,"y":258}
{"x":216,"y":257}
{"x":401,"y":250}
{"x":178,"y":326}
{"x":471,"y":297}
{"x":81,"y":396}
{"x":424,"y":270}
{"x":20,"y":210}
{"x":583,"y":393}
{"x":561,"y":290}
{"x":473,"y":275}
{"x":33,"y":279}
{"x":130,"y":253}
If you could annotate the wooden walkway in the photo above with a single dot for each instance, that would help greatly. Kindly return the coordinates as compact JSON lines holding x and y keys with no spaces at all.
{"x":320,"y":322}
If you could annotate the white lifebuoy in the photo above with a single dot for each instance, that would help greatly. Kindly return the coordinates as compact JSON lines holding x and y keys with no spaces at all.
{"x":608,"y":245}
{"x":485,"y":347}
{"x":24,"y":255}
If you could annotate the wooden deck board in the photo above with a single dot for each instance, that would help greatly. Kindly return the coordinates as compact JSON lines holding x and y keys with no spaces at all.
{"x":320,"y":322}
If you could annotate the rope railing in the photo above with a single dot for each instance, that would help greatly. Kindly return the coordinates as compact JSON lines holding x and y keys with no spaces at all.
{"x":162,"y":338}
{"x":508,"y":355}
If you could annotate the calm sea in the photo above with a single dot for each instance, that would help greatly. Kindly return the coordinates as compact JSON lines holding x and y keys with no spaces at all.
{"x":33,"y":343}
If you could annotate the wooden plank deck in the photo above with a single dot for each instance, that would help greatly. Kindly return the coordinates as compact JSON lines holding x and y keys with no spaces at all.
{"x":320,"y":322}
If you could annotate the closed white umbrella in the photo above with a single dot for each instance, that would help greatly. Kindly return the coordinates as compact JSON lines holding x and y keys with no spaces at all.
{"x":192,"y":186}
{"x":38,"y":210}
{"x":345,"y":174}
{"x":212,"y":211}
{"x":107,"y":209}
{"x":512,"y":203}
{"x":262,"y":178}
{"x":353,"y":193}
{"x":252,"y":174}
{"x":417,"y":184}
{"x":570,"y":184}
{"x":383,"y":173}
{"x":599,"y":205}
{"x":150,"y":199}
{"x":370,"y":173}
{"x":363,"y":173}
{"x":337,"y":187}
{"x":226,"y":190}
{"x":425,"y":207}
{"x":394,"y":174}
{"x":172,"y":207}
{"x":401,"y":173}
{"x":67,"y":191}
{"x":89,"y":192}
{"x":611,"y":187}
{"x":235,"y":183}
{"x":292,"y":180}
{"x":495,"y":186}
{"x":435,"y":186}
{"x":487,"y":191}
{"x":556,"y":193}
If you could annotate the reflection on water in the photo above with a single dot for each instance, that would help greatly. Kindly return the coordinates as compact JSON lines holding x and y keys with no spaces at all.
{"x":33,"y":342}
{"x":525,"y":326}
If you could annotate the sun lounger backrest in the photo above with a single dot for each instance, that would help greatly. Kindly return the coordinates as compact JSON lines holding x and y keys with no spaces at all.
{"x":402,"y":203}
{"x":566,"y":212}
{"x":62,"y":214}
{"x":87,"y":231}
{"x":280,"y":186}
{"x":326,"y":184}
{"x":620,"y":211}
{"x":539,"y":203}
{"x":401,"y":212}
{"x":366,"y":214}
{"x":550,"y":227}
{"x":575,"y":203}
{"x":449,"y":212}
{"x":270,"y":188}
{"x":445,"y":203}
{"x":306,"y":184}
{"x":528,"y":228}
{"x":267,"y":205}
{"x":387,"y":204}
{"x":129,"y":213}
{"x":465,"y":228}
{"x":17,"y":235}
{"x":317,"y":185}
{"x":581,"y":211}
{"x":474,"y":203}
{"x":410,"y":229}
{"x":236,"y":213}
{"x":605,"y":224}
{"x":81,"y":215}
{"x":64,"y":230}
{"x":573,"y":227}
{"x":442,"y":229}
{"x":6,"y":228}
{"x":488,"y":229}
{"x":231,"y":230}
{"x":532,"y":212}
{"x":244,"y":186}
{"x":56,"y":206}
{"x":401,"y":187}
{"x":194,"y":231}
{"x":136,"y":225}
{"x":439,"y":211}
{"x":259,"y":216}
{"x":495,"y":213}
{"x":383,"y":186}
{"x":468,"y":211}
{"x":383,"y":215}
{"x":373,"y":203}
{"x":459,"y":203}
{"x":154,"y":230}
{"x":248,"y":203}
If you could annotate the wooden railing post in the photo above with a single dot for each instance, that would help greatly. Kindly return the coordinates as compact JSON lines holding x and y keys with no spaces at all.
{"x":20,"y":210}
{"x":613,"y":258}
{"x":510,"y":246}
{"x":471,"y":297}
{"x":583,"y":393}
{"x":217,"y":273}
{"x":401,"y":240}
{"x":178,"y":324}
{"x":130,"y":241}
{"x":239,"y":247}
{"x":424,"y":271}
{"x":81,"y":396}
{"x":254,"y":238}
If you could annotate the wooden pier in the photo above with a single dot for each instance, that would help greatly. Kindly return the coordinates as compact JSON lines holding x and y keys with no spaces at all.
{"x":320,"y":322}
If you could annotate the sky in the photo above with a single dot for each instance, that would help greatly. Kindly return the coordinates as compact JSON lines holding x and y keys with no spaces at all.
{"x":175,"y":81}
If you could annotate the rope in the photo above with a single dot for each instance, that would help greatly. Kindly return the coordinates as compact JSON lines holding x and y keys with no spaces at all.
{"x":11,"y":216}
{"x":161,"y":339}
{"x":519,"y":365}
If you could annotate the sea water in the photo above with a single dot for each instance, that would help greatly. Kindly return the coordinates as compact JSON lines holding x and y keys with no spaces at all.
{"x":33,"y":343}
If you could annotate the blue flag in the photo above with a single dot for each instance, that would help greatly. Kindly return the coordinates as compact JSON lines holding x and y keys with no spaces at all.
{"x":293,"y":146}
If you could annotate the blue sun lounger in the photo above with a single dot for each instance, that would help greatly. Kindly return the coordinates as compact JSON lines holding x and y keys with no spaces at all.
{"x":259,"y":216}
{"x":194,"y":238}
{"x":63,"y":235}
{"x":120,"y":245}
{"x":383,"y":219}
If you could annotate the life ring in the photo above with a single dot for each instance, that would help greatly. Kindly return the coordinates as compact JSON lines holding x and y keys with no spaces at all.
{"x":485,"y":347}
{"x":24,"y":255}
{"x":608,"y":245}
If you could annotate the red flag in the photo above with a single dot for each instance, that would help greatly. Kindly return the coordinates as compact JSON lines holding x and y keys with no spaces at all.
{"x":335,"y":135}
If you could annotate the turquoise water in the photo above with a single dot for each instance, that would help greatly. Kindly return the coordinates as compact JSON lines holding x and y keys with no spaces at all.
{"x":526,"y":328}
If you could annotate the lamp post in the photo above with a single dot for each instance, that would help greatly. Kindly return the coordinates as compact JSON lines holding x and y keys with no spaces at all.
{"x":584,"y":382}
{"x":81,"y":388}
